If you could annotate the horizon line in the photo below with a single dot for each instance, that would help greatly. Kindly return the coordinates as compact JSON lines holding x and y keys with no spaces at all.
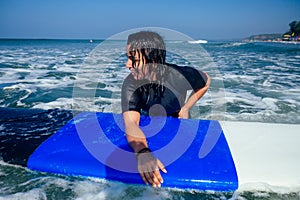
{"x":94,"y":39}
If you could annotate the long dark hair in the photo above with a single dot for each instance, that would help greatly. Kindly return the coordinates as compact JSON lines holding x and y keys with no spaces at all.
{"x":152,"y":48}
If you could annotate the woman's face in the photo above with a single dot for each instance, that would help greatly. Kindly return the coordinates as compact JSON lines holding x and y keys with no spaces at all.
{"x":136,"y":63}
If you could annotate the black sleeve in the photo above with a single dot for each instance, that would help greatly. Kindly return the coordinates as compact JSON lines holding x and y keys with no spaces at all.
{"x":130,"y":99}
{"x":196,"y":78}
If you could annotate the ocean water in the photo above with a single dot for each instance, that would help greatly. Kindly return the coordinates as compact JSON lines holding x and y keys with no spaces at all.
{"x":47,"y":79}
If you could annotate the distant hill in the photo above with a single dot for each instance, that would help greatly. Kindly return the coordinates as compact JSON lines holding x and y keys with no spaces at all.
{"x":292,"y":35}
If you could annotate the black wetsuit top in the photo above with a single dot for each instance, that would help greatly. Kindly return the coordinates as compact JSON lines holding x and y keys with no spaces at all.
{"x":141,"y":95}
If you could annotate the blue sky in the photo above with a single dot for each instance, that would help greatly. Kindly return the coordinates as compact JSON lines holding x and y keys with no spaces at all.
{"x":199,"y":19}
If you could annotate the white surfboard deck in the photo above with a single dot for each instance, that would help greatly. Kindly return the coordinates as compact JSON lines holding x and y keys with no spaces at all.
{"x":264,"y":152}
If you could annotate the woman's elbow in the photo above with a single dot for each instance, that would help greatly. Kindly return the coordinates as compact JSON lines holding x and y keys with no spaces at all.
{"x":208,"y":79}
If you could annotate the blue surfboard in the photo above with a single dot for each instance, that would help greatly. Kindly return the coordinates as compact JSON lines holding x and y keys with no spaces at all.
{"x":93,"y":144}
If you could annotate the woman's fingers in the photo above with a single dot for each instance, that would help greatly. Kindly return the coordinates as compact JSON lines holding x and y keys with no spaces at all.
{"x":149,"y":169}
{"x":161,"y":166}
{"x":150,"y":172}
{"x":157,"y":178}
{"x":149,"y":177}
{"x":144,"y":178}
{"x":143,"y":174}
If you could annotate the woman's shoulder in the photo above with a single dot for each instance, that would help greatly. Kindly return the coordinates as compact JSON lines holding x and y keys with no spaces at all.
{"x":186,"y":71}
{"x":181,"y":68}
{"x":130,"y":83}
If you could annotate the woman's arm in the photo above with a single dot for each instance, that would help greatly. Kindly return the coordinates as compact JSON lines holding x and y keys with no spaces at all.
{"x":135,"y":137}
{"x":184,"y":111}
{"x":148,"y":166}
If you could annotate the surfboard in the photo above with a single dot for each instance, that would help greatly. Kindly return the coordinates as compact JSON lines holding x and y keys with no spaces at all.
{"x":93,"y":144}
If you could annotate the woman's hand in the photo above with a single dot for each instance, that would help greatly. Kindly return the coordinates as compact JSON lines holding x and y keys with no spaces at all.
{"x":149,"y":167}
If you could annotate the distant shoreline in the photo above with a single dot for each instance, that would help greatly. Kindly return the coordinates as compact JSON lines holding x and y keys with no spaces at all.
{"x":273,"y":41}
{"x":277,"y":37}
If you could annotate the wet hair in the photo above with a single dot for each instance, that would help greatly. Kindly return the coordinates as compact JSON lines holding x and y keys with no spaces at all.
{"x":151,"y":47}
{"x":150,"y":44}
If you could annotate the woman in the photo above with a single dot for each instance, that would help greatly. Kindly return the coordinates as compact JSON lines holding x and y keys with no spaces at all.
{"x":155,"y":87}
